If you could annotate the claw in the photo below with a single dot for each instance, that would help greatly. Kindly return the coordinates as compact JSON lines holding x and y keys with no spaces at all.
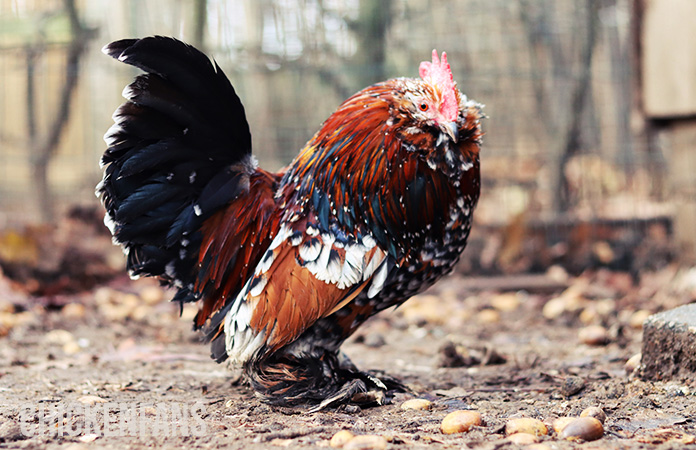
{"x":380,"y":391}
{"x":344,"y":395}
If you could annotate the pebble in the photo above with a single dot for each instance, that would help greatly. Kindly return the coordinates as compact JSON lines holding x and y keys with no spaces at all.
{"x":374,"y":340}
{"x":487,"y":316}
{"x":11,"y":320}
{"x":597,"y":310}
{"x":556,"y":307}
{"x":58,"y":337}
{"x":366,"y":442}
{"x":91,"y":400}
{"x":505,"y":302}
{"x":152,"y":295}
{"x":103,"y":295}
{"x":637,"y":318}
{"x":633,"y":363}
{"x":6,"y":306}
{"x":560,"y":423}
{"x":71,"y":348}
{"x":341,"y":438}
{"x":572,"y":385}
{"x":594,"y":335}
{"x":526,"y":425}
{"x":557,"y":273}
{"x":603,"y":252}
{"x":417,"y":403}
{"x":523,"y":438}
{"x":460,"y":421}
{"x":88,"y":438}
{"x":585,"y":428}
{"x":10,"y":431}
{"x":141,"y":312}
{"x":74,"y":310}
{"x":596,"y":412}
{"x":425,"y":309}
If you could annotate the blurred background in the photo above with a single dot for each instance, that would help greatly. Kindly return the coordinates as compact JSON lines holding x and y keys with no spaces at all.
{"x":588,"y":157}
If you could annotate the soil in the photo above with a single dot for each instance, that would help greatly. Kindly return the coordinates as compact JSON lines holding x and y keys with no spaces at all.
{"x":519,"y":353}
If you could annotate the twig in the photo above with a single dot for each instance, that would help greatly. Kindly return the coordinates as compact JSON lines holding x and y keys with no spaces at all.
{"x":292,"y":433}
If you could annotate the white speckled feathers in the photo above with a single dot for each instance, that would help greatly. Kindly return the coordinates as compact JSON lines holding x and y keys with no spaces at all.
{"x":305,"y":275}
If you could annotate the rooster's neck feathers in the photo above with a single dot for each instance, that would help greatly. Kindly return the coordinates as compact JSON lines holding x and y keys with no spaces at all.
{"x":379,"y":165}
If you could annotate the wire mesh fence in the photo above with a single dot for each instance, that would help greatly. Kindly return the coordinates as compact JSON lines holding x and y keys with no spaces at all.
{"x":565,"y":135}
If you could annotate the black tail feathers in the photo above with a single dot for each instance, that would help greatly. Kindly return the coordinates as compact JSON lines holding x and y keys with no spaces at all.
{"x":180,"y":149}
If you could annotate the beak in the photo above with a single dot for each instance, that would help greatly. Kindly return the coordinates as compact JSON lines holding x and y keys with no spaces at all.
{"x":452,"y":130}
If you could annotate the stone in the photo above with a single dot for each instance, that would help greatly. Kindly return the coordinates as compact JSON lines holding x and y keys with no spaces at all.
{"x":669,"y":344}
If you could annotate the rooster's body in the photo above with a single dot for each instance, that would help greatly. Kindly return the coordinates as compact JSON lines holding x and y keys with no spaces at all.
{"x":375,"y":208}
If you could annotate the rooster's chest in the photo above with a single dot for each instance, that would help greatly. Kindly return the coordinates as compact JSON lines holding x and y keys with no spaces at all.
{"x":433,"y":257}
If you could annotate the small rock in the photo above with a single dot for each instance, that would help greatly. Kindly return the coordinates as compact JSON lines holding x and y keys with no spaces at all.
{"x":557,"y":273}
{"x":353,"y":409}
{"x":487,"y":316}
{"x":91,"y":400}
{"x":11,"y":431}
{"x":560,"y":423}
{"x":594,"y":335}
{"x":374,"y":340}
{"x":88,"y":438}
{"x":341,"y":438}
{"x":366,"y":442}
{"x":572,"y":385}
{"x":596,"y":412}
{"x":633,"y":363}
{"x":451,"y":356}
{"x":6,"y":306}
{"x":570,"y":301}
{"x":417,"y":404}
{"x":58,"y":337}
{"x":583,"y":428}
{"x":637,"y":318}
{"x":505,"y":302}
{"x":423,"y":309}
{"x":603,"y":252}
{"x":526,"y":425}
{"x":141,"y":312}
{"x":523,"y":438}
{"x":460,"y":421}
{"x":71,"y":348}
{"x":152,"y":295}
{"x":74,"y":311}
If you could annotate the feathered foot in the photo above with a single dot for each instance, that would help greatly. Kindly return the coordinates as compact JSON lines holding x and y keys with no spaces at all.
{"x":327,"y":382}
{"x":363,"y":389}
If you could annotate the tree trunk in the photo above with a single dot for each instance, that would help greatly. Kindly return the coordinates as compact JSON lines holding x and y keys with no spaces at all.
{"x":45,"y":148}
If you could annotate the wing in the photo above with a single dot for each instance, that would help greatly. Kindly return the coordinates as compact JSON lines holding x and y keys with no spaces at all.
{"x":305,"y":274}
{"x":233,"y":243}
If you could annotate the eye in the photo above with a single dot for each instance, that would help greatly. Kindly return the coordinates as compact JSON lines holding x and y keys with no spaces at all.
{"x":423,"y":107}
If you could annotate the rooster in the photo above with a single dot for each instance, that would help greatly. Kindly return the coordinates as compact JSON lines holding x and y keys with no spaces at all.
{"x":286,"y":266}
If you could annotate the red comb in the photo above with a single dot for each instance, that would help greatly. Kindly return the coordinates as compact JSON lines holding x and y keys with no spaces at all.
{"x":439,"y":74}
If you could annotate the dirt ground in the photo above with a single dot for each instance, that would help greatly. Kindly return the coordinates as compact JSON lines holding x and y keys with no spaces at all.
{"x":521,"y":351}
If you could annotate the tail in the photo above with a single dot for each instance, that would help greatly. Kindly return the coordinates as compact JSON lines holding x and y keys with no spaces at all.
{"x":179,"y":150}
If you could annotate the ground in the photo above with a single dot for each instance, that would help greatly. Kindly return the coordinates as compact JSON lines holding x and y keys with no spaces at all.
{"x":523,"y":350}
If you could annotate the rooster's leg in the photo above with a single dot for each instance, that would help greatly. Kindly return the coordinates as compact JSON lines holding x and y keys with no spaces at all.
{"x":361,"y":388}
{"x":327,"y":382}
